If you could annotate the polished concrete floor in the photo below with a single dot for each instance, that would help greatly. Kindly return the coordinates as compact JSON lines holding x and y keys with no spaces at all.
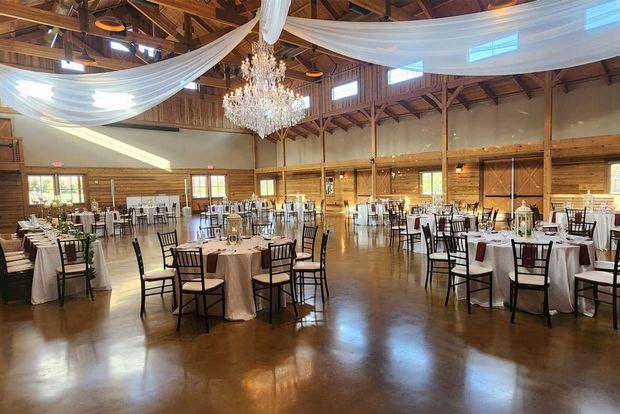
{"x":382,"y":344}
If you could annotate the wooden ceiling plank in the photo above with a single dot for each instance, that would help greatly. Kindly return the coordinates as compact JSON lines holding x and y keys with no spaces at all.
{"x":330,"y":9}
{"x":426,"y":9}
{"x":605,"y":70}
{"x":352,"y":120}
{"x":488,"y":92}
{"x":519,"y":81}
{"x":391,"y":114}
{"x":378,"y":8}
{"x":410,"y":108}
{"x":158,"y":20}
{"x":432,"y":101}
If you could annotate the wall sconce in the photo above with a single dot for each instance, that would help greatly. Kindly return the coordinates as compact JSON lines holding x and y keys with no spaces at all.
{"x":459,"y":168}
{"x":341,"y":176}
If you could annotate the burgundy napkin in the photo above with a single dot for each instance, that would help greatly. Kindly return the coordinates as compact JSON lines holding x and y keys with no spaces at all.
{"x":442,"y":224}
{"x":212,"y":262}
{"x":617,"y":219}
{"x":265,"y":258}
{"x":416,"y":223}
{"x":529,"y":255}
{"x":584,"y":256}
{"x":481,"y":249}
{"x":578,"y":216}
{"x":77,"y":219}
{"x":553,"y":216}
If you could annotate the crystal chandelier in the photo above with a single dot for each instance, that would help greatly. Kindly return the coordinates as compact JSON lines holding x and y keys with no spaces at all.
{"x":263,"y":105}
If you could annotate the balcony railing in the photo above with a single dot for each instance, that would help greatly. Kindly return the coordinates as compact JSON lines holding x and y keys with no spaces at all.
{"x":11,"y":153}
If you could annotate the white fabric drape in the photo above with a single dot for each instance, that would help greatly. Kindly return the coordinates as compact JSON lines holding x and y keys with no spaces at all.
{"x":273,"y":14}
{"x":550,"y":34}
{"x":103,"y":98}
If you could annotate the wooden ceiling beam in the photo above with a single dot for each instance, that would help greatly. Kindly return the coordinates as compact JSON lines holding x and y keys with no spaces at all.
{"x":489,"y":93}
{"x":158,"y":20}
{"x":330,"y":9}
{"x":605,"y":70}
{"x":432,"y":101}
{"x":352,"y":120}
{"x":519,"y":81}
{"x":410,"y":108}
{"x":391,"y":114}
{"x":339,"y":124}
{"x":39,"y":16}
{"x":426,"y":9}
{"x":557,"y":79}
{"x":310,"y":130}
{"x":378,"y":8}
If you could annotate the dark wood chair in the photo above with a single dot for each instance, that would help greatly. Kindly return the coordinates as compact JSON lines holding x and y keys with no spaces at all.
{"x":531,"y":272}
{"x":99,"y":224}
{"x":172,"y":215}
{"x":73,"y":265}
{"x":125,"y":222}
{"x":211,"y":232}
{"x":582,"y":229}
{"x":458,"y":255}
{"x":433,"y":258}
{"x":160,"y":215}
{"x":281,"y":259}
{"x":190,"y":271}
{"x":409,"y":235}
{"x":261,"y":228}
{"x":159,"y":276}
{"x":307,"y":243}
{"x":313,"y":273}
{"x":442,"y":225}
{"x":167,"y":241}
{"x":458,"y":227}
{"x":141,"y":216}
{"x":15,"y":273}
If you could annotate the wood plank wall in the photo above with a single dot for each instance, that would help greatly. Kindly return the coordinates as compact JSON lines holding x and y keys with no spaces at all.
{"x":11,"y":196}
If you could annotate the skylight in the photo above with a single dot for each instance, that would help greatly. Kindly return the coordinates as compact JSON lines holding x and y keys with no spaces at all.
{"x":37,"y":90}
{"x":118,"y":46}
{"x":496,"y":47}
{"x":343,"y":91}
{"x":72,"y":66}
{"x":412,"y":71}
{"x":113,"y":100}
{"x":146,"y":50}
{"x":603,"y":14}
{"x":306,"y":100}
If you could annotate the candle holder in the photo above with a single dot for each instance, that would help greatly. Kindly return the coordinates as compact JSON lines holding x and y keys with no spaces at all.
{"x":524,"y":217}
{"x":233,"y":229}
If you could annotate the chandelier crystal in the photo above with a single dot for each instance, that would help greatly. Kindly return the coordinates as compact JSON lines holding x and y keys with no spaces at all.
{"x":263,"y":105}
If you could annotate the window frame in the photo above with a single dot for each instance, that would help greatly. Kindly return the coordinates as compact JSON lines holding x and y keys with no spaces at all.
{"x":80,"y":185}
{"x":211,"y":186}
{"x":273,"y":185}
{"x":609,"y":175}
{"x":344,"y":87}
{"x":433,"y":173}
{"x":56,"y":187}
{"x":208,"y":186}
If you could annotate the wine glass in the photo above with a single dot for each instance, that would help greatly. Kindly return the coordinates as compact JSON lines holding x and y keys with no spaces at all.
{"x":218,"y":234}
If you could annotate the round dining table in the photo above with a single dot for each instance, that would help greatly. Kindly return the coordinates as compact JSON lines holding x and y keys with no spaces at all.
{"x":430,"y":220}
{"x":564,"y":263}
{"x":236,"y":264}
{"x":604,"y":223}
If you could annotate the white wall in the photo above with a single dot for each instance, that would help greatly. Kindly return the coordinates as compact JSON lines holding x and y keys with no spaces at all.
{"x":266,"y":155}
{"x":302,"y":151}
{"x":131,"y":148}
{"x":591,"y":109}
{"x":350,"y":145}
{"x":410,"y":135}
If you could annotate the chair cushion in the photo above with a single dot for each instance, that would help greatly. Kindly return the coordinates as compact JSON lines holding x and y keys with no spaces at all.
{"x":279,"y":278}
{"x":303,"y":255}
{"x":307,"y":266}
{"x":473,"y":270}
{"x":72,"y":268}
{"x":20,"y":268}
{"x":596,"y":276}
{"x":18,"y":262}
{"x":14,"y":257}
{"x":604,"y":265}
{"x":438,"y":256}
{"x":197,"y":286}
{"x":525,"y":279}
{"x":15,"y":253}
{"x":169,"y":261}
{"x":10,"y":245}
{"x":398,"y":227}
{"x":159,"y":274}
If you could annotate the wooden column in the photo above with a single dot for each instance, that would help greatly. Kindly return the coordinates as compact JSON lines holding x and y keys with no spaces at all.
{"x":322,"y":126}
{"x":444,"y":138}
{"x":282,"y":134}
{"x":254,"y":145}
{"x":547,"y":142}
{"x":373,"y":150}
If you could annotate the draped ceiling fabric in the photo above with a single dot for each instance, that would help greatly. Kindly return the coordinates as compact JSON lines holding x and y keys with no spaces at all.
{"x":103,"y":98}
{"x":536,"y":36}
{"x":273,"y":14}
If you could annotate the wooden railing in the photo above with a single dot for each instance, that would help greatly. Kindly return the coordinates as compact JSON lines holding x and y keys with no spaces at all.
{"x":11,"y":153}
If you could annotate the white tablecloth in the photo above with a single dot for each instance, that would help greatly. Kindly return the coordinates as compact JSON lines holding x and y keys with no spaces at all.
{"x":86,"y":218}
{"x":149,"y":211}
{"x":362,"y":214}
{"x":110,"y":216}
{"x":604,"y":223}
{"x":236,"y":266}
{"x":430,"y":220}
{"x":44,"y":287}
{"x":564,"y":264}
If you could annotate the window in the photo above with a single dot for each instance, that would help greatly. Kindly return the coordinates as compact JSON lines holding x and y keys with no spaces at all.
{"x":40,"y":188}
{"x":118,"y":46}
{"x":306,"y":101}
{"x":199,"y":186}
{"x":268,"y":187}
{"x":496,"y":47}
{"x":72,"y":66}
{"x":603,"y":14}
{"x":205,"y":186}
{"x":342,"y":91}
{"x":218,"y":186}
{"x":415,"y":70}
{"x":149,"y":51}
{"x":430,"y":182}
{"x":191,"y":86}
{"x":615,"y":179}
{"x":70,"y":188}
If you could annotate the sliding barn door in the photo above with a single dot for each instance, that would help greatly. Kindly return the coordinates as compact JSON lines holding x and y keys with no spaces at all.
{"x":502,"y":192}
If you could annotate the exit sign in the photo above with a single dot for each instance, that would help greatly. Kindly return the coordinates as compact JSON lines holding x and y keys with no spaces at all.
{"x":209,"y":167}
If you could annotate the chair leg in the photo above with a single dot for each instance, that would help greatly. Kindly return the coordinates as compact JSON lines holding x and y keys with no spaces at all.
{"x":204,"y":308}
{"x":514,"y":303}
{"x":491,"y":291}
{"x":467,"y":284}
{"x":62,"y":297}
{"x":180,"y":312}
{"x":614,"y":306}
{"x":322,"y":294}
{"x":174,"y":294}
{"x":142,"y":300}
{"x":576,"y":298}
{"x":270,"y":303}
{"x":90,"y":289}
{"x":546,"y":306}
{"x":223,"y":303}
{"x":324,"y":277}
{"x":429,"y":269}
{"x":292,"y":284}
{"x":449,"y":288}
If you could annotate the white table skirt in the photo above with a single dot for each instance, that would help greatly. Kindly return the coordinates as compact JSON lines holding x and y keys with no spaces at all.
{"x":604,"y":223}
{"x":564,"y":264}
{"x":44,"y":287}
{"x":236,"y":266}
{"x":362,"y":214}
{"x":110,"y":216}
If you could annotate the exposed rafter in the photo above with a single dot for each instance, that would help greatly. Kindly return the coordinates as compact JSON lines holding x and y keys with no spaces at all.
{"x":488,"y":92}
{"x":352,"y":120}
{"x":158,"y":20}
{"x":519,"y":81}
{"x":378,"y":8}
{"x":426,"y":9}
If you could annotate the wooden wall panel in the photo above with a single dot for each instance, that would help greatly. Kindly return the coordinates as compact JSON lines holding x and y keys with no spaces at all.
{"x":11,"y":204}
{"x":307,"y":184}
{"x":6,"y":127}
{"x":363,"y":183}
{"x":578,"y":177}
{"x":464,"y":187}
{"x":344,"y":189}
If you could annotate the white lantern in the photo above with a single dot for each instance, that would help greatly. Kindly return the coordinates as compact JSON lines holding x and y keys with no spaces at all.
{"x":233,"y":228}
{"x":588,"y":201}
{"x":524,"y":218}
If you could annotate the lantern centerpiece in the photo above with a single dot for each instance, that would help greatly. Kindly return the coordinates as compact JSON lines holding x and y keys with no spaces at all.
{"x":524,"y":218}
{"x":233,"y":228}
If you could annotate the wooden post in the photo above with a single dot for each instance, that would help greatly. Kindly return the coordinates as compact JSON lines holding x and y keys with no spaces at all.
{"x":444,"y":138}
{"x":323,"y":126}
{"x":547,"y":142}
{"x":283,"y":145}
{"x":254,"y":148}
{"x":373,"y":149}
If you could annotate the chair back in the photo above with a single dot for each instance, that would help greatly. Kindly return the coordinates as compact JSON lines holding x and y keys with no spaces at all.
{"x":576,"y":215}
{"x":308,"y":238}
{"x":3,"y":265}
{"x":537,"y":216}
{"x":494,"y":218}
{"x":581,"y":228}
{"x":189,"y":265}
{"x":138,"y":251}
{"x":449,"y":208}
{"x":531,"y":259}
{"x":166,"y":241}
{"x":428,"y":238}
{"x":457,"y":249}
{"x":346,"y":205}
{"x":457,"y":227}
{"x":324,"y":249}
{"x":72,"y":252}
{"x":281,"y":258}
{"x":259,"y":229}
{"x":210,"y":231}
{"x":442,"y":223}
{"x":97,"y":217}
